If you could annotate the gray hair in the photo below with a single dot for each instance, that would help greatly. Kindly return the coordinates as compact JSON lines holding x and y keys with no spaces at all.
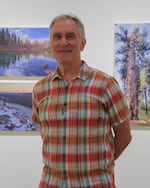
{"x":72,"y":17}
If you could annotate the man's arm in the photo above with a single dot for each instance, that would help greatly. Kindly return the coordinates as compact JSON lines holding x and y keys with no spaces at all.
{"x":122,"y":137}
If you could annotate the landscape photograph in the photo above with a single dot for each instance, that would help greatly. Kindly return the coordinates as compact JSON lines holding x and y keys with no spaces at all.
{"x":15,"y":113}
{"x":25,"y":52}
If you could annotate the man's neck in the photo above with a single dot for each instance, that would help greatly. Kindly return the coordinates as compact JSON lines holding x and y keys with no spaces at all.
{"x":69,"y":71}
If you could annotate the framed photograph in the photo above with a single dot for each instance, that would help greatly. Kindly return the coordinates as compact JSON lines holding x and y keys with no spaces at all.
{"x":132,"y":69}
{"x":25,"y":52}
{"x":16,"y":109}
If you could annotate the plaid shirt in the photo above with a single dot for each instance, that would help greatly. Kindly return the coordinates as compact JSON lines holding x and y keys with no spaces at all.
{"x":75,"y":122}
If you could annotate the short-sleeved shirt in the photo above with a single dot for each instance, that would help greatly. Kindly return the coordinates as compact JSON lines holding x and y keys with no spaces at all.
{"x":76,"y":121}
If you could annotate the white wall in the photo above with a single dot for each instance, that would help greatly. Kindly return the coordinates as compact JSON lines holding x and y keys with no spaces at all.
{"x":20,"y":156}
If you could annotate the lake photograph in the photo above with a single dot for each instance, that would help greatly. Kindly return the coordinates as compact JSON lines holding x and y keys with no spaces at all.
{"x":25,"y":52}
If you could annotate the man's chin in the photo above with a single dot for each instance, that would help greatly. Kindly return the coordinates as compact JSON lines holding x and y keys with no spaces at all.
{"x":64,"y":61}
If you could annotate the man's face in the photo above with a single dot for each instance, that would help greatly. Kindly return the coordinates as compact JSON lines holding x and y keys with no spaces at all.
{"x":66,"y":42}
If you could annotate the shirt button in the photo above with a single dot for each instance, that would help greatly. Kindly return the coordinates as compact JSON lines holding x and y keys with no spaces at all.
{"x":63,"y":156}
{"x":64,"y":172}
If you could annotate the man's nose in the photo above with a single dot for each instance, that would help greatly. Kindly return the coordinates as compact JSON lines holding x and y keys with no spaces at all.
{"x":64,"y":41}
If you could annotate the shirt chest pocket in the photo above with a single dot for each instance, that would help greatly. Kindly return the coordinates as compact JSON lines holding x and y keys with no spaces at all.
{"x":45,"y":107}
{"x":51,"y":108}
{"x":85,"y":106}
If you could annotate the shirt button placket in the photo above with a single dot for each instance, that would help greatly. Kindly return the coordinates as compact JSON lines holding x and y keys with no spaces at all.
{"x":64,"y":134}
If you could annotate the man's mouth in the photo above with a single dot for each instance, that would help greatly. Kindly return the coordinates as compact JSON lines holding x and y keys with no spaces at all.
{"x":65,"y":51}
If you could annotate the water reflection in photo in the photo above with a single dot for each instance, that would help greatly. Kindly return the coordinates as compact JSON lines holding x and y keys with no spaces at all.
{"x":13,"y":64}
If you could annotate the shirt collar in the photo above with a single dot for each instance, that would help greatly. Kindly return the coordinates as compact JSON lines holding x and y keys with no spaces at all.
{"x":83,"y":74}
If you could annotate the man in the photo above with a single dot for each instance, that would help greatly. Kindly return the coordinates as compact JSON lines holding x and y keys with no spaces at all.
{"x":82,"y":114}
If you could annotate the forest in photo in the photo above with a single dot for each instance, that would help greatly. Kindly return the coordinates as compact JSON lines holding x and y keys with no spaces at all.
{"x":11,"y":41}
{"x":132,"y":68}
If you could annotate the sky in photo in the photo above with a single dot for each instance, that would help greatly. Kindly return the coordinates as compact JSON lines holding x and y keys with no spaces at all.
{"x":31,"y":33}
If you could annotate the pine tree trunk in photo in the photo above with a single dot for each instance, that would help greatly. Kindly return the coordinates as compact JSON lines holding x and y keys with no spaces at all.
{"x":131,"y":83}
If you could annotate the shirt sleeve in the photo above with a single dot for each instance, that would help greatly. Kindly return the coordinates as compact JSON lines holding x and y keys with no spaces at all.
{"x":116,"y":103}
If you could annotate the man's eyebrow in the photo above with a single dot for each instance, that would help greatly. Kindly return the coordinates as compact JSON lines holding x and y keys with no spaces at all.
{"x":59,"y":33}
{"x":71,"y":33}
{"x":56,"y":33}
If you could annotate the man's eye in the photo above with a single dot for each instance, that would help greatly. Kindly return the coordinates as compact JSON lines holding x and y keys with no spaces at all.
{"x":70,"y":36}
{"x":57,"y":37}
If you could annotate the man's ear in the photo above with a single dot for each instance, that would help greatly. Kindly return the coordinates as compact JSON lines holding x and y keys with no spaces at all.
{"x":83,"y":43}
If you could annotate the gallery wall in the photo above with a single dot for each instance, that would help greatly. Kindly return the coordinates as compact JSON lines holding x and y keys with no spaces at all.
{"x":20,"y":155}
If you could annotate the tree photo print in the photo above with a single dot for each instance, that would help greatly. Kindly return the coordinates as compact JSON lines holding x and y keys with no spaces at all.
{"x":132,"y":69}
